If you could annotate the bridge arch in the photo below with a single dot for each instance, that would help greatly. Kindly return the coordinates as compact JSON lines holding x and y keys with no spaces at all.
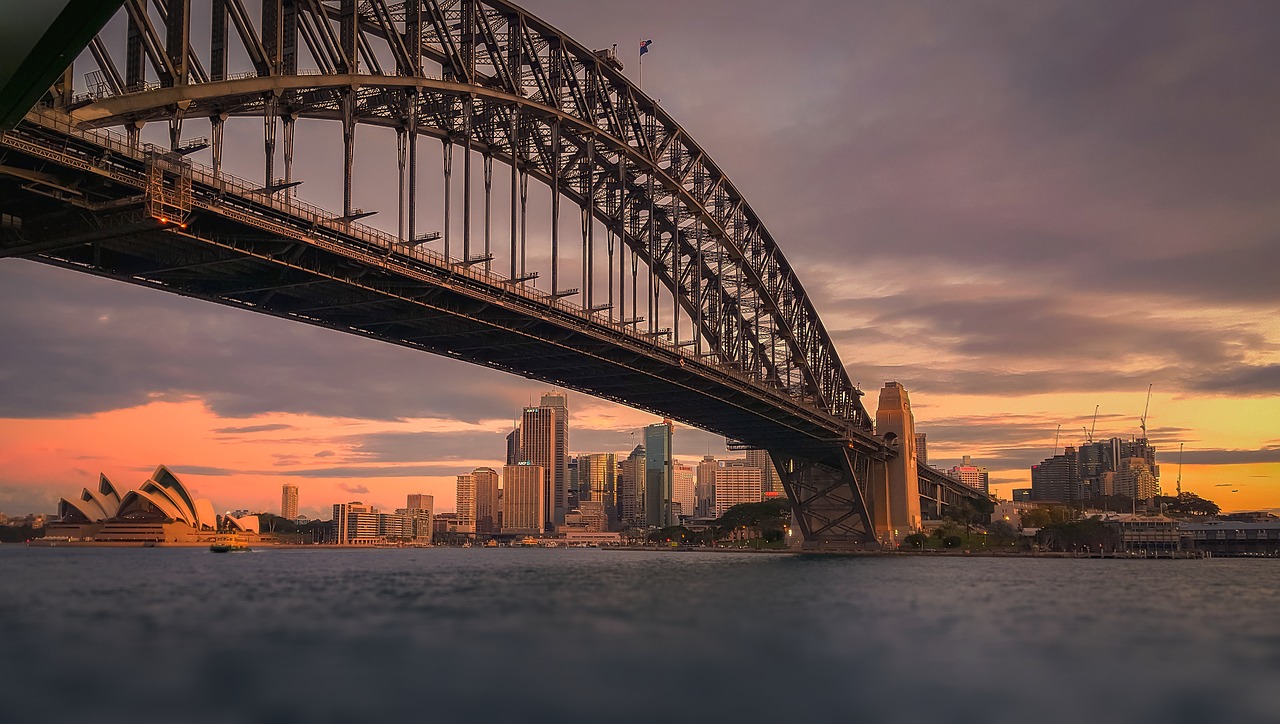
{"x":513,"y":88}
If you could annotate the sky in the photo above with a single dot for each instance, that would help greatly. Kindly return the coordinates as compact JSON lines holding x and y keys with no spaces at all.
{"x":1022,"y":211}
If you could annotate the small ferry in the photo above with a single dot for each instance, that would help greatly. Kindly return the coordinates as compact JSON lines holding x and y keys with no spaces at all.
{"x":229,"y":546}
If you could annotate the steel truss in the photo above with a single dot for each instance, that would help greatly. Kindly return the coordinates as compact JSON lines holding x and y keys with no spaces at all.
{"x":489,"y":77}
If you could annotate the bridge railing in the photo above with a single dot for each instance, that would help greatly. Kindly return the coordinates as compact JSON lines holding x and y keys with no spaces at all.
{"x":388,"y":243}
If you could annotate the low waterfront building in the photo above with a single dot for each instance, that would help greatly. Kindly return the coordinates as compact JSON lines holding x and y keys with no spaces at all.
{"x":588,"y":517}
{"x":1232,"y":537}
{"x":585,"y":538}
{"x":1145,"y":533}
{"x":358,"y":523}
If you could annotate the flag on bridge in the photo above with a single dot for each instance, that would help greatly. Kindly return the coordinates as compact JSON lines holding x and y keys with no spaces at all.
{"x":644,"y":46}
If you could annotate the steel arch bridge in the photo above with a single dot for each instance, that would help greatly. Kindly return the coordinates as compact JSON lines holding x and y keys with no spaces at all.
{"x":665,"y":290}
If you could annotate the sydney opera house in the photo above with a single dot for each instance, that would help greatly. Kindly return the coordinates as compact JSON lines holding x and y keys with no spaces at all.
{"x":160,"y":511}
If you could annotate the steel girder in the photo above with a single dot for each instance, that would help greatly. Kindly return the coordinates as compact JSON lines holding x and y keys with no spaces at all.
{"x":515,"y":88}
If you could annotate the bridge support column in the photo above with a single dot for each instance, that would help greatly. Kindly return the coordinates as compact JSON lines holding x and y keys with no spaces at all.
{"x":895,"y":487}
{"x":827,"y":499}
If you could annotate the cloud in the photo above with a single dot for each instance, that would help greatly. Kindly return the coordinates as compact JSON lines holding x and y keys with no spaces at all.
{"x":75,"y":360}
{"x":254,"y":428}
{"x":354,"y":489}
{"x":1231,"y":457}
{"x":181,"y":470}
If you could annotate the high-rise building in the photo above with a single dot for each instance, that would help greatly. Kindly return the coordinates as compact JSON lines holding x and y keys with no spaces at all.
{"x":537,"y":448}
{"x":1135,"y":479}
{"x":705,"y":487}
{"x":922,"y":448}
{"x":598,"y":482}
{"x":559,"y":455}
{"x":523,"y":499}
{"x":1056,"y":478}
{"x":737,"y":483}
{"x":485,"y":481}
{"x":658,"y":475}
{"x":760,"y":459}
{"x":466,"y":503}
{"x":574,"y":494}
{"x":288,"y":501}
{"x":631,"y":479}
{"x":1101,"y":462}
{"x":683,"y":497}
{"x":513,"y":446}
{"x":544,"y":441}
{"x":420,"y":501}
{"x":421,"y":508}
{"x":971,"y":475}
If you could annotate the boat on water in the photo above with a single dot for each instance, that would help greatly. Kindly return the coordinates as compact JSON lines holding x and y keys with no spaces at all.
{"x":528,"y":542}
{"x":229,"y":547}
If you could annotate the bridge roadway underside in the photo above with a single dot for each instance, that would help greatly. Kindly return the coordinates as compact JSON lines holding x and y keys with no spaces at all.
{"x":84,"y":207}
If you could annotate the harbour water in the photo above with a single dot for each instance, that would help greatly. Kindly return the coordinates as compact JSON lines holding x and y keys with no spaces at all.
{"x":563,"y":635}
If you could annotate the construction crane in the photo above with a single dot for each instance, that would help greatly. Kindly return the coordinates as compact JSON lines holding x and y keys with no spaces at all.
{"x":1094,"y":426}
{"x":1145,"y":409}
{"x":1179,"y":470}
{"x":1055,"y":438}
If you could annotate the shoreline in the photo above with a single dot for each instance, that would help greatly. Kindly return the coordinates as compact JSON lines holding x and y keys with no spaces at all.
{"x":1114,"y":555}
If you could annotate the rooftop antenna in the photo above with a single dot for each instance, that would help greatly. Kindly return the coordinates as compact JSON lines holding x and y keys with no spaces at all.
{"x":1094,"y":426}
{"x":1179,"y":470}
{"x":1145,"y":409}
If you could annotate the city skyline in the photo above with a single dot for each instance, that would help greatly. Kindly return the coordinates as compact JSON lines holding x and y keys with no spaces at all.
{"x":1031,"y":296}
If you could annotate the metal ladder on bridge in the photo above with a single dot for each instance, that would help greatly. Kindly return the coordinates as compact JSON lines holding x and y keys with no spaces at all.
{"x":168,"y":191}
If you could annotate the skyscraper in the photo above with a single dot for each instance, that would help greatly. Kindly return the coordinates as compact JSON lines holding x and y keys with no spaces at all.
{"x":737,"y":483}
{"x":537,"y":430}
{"x":1100,"y":464}
{"x":421,"y":508}
{"x":485,"y":482}
{"x":523,"y":503}
{"x":760,"y":459}
{"x":658,"y":475}
{"x":513,"y":446}
{"x":466,"y":503}
{"x":420,"y":501}
{"x":970,"y":474}
{"x":559,"y":455}
{"x":683,"y":497}
{"x":631,"y":488}
{"x":706,"y":487}
{"x":1056,"y":478}
{"x":922,"y":448}
{"x":575,"y":493}
{"x":288,"y":501}
{"x":597,"y":481}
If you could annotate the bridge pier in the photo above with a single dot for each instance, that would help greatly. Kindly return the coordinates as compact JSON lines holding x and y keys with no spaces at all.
{"x":894,"y":482}
{"x":827,"y":501}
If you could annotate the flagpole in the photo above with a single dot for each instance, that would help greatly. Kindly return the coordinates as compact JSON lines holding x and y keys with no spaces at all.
{"x":640,"y":44}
